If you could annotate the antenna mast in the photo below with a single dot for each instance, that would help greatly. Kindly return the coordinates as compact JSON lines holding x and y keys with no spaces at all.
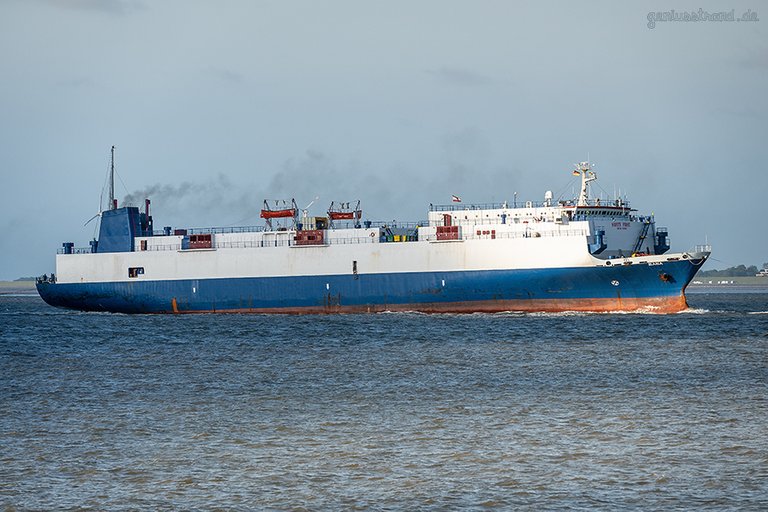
{"x":584,"y":169}
{"x":112,"y":200}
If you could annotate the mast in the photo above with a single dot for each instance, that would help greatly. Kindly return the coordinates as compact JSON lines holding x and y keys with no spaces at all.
{"x":584,"y":169}
{"x":112,"y":200}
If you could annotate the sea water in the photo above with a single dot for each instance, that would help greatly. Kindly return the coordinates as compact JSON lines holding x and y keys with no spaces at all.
{"x":385,"y":411}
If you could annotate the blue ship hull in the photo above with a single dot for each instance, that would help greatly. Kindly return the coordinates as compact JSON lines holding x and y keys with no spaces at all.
{"x":605,"y":288}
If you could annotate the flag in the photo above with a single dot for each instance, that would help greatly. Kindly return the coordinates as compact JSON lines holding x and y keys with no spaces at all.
{"x":456,"y":199}
{"x":576,"y":173}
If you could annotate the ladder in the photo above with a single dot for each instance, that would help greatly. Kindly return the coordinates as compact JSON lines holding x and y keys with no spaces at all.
{"x":641,"y":238}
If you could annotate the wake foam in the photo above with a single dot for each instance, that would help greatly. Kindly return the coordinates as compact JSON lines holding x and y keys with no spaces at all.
{"x":694,"y":311}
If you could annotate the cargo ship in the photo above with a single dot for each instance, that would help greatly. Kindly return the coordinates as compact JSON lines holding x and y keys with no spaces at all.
{"x":577,"y":254}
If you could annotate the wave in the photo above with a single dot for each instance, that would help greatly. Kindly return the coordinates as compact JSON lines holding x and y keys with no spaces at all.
{"x":645,"y":310}
{"x":697,"y":311}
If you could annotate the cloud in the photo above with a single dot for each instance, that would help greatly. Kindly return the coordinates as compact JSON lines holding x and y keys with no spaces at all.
{"x":213,"y":198}
{"x":311,"y":175}
{"x":756,"y":60}
{"x":76,"y":83}
{"x":114,"y":7}
{"x":227,"y":75}
{"x":458,"y":76}
{"x":315,"y":174}
{"x":465,"y":155}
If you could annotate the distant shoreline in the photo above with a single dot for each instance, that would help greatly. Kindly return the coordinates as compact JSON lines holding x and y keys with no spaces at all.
{"x":695,"y":289}
{"x":11,"y":287}
{"x":761,"y":282}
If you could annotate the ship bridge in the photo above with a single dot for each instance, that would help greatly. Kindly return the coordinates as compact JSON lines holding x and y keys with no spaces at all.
{"x":615,"y":228}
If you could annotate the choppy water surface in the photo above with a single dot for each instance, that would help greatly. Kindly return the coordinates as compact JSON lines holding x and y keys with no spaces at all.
{"x":387,"y":411}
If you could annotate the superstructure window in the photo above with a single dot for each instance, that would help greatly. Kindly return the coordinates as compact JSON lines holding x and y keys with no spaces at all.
{"x":135,"y":271}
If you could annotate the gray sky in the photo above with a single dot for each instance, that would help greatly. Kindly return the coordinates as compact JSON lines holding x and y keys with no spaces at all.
{"x":216,"y":105}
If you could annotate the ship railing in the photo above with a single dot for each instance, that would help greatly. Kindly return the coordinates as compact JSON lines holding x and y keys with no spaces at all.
{"x":379,"y":224}
{"x":258,"y":229}
{"x":470,"y":206}
{"x":249,"y":244}
{"x":471,"y":223}
{"x":215,"y":230}
{"x":75,"y":250}
{"x":162,"y":247}
{"x":233,"y":244}
{"x":521,"y":221}
{"x":225,"y":230}
{"x":701,"y":248}
{"x":525,"y":204}
{"x":596,"y":201}
{"x":238,"y":244}
{"x":353,"y":240}
{"x":618,"y":215}
{"x":528,"y":233}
